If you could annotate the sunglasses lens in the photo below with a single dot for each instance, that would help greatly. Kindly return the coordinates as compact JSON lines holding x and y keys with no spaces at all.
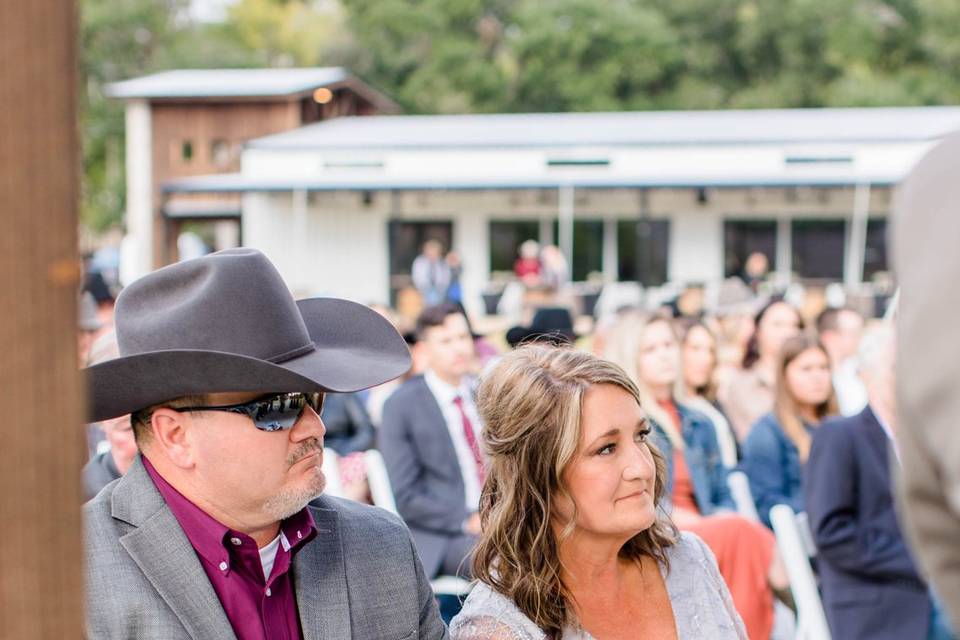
{"x":279,"y":412}
{"x":283,"y":411}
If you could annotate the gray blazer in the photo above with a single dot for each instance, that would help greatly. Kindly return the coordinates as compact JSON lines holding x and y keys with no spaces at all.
{"x":359,"y":578}
{"x":422,"y":465}
{"x":925,"y":232}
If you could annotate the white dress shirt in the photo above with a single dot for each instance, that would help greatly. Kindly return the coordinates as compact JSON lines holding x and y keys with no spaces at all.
{"x":851,"y":394}
{"x":445,"y":395}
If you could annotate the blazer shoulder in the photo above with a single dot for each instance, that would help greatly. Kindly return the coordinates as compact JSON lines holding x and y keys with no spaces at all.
{"x":408,"y":391}
{"x":837,"y":431}
{"x":356,"y":517}
{"x":100,"y":507}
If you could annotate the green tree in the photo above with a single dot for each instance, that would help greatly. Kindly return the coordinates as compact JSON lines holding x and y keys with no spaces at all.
{"x":581,"y":55}
{"x":117,"y":40}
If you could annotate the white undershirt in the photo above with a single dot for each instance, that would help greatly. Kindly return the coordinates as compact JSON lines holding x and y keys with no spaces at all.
{"x":445,"y":395}
{"x":887,"y":430}
{"x":268,"y":554}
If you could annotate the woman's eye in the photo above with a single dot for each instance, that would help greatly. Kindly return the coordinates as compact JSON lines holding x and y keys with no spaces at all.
{"x":642,"y":435}
{"x":606,"y":449}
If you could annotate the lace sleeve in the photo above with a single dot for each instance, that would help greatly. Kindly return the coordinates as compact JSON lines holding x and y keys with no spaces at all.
{"x":487,"y":615}
{"x":710,"y":564}
{"x":484,"y":627}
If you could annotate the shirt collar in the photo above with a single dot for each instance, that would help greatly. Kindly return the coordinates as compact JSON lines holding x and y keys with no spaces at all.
{"x":212,"y":539}
{"x":444,"y":392}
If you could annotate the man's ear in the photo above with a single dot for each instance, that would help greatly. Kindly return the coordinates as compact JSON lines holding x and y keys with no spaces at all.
{"x":171,"y":435}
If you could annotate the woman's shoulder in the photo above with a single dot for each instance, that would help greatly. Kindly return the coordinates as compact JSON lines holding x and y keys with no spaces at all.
{"x":701,"y":602}
{"x":489,"y":615}
{"x":688,"y":552}
{"x":765,"y":431}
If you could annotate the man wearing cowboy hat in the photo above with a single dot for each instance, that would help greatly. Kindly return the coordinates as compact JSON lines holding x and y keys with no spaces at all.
{"x":209,"y":534}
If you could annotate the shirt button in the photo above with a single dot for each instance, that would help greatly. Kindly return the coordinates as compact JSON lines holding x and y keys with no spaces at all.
{"x":269,"y":593}
{"x":236,"y":542}
{"x":223,"y":566}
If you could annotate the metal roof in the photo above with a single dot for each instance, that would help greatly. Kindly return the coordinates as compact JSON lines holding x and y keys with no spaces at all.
{"x":237,"y":183}
{"x":227,"y":83}
{"x":643,"y":128}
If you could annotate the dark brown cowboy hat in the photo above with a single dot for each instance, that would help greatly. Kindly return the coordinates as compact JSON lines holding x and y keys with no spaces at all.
{"x":227,"y":322}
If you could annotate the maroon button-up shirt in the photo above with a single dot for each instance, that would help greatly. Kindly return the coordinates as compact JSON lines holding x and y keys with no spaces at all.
{"x":258,"y":607}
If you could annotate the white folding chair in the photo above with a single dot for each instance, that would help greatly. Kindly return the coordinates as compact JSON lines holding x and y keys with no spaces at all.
{"x":788,"y":528}
{"x":742,"y":496}
{"x":382,"y":494}
{"x":379,"y":481}
{"x":331,"y":471}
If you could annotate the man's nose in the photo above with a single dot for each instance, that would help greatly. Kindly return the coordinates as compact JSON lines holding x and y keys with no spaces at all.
{"x":309,"y":424}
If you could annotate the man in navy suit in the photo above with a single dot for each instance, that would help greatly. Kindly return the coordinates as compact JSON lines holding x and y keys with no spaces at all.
{"x":871,"y":587}
{"x":430,"y":441}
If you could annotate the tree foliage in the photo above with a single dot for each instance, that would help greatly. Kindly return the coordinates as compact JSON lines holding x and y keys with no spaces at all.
{"x":456,"y":56}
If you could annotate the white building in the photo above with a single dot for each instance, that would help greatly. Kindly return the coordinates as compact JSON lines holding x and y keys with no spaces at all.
{"x":342,"y":205}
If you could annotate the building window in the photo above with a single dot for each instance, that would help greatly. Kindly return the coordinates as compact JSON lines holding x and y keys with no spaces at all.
{"x":220,"y":153}
{"x":506,"y":238}
{"x":744,"y":237}
{"x":186,"y":150}
{"x":818,"y":248}
{"x":642,"y":249}
{"x":875,"y":257}
{"x":587,"y":248}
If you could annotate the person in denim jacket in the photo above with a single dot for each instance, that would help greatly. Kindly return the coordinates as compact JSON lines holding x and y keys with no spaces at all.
{"x":778,"y":444}
{"x":702,"y":453}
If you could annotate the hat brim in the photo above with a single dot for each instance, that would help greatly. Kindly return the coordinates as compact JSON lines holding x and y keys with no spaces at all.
{"x":354,"y":348}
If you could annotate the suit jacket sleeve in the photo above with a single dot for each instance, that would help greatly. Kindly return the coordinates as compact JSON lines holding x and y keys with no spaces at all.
{"x":431,"y":624}
{"x":363,"y":430}
{"x":417,"y":504}
{"x":841,"y":534}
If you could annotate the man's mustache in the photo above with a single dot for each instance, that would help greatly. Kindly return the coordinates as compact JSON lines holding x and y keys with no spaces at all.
{"x":308,"y":447}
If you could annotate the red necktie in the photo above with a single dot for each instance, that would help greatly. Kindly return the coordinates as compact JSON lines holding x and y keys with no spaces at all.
{"x":471,"y":440}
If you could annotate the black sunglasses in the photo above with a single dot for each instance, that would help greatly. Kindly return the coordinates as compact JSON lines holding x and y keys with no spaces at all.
{"x":270,"y":413}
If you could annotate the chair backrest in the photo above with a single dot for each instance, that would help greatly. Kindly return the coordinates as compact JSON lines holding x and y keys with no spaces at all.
{"x":379,"y":481}
{"x":740,"y":490}
{"x":331,"y":471}
{"x":382,"y":494}
{"x":811,"y":620}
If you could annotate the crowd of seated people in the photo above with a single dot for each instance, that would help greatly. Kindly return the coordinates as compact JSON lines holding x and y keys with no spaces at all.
{"x":772,"y":413}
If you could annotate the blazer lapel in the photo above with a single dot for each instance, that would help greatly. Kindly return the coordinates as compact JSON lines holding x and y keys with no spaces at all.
{"x":449,"y":457}
{"x":160,"y":548}
{"x":878,"y":439}
{"x":320,"y":582}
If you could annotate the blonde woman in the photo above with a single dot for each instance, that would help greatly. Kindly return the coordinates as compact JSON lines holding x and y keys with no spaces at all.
{"x":573,"y":544}
{"x":779,"y":442}
{"x":648,"y":349}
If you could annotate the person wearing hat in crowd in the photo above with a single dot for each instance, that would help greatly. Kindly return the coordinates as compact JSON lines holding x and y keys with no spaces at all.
{"x":209,"y":534}
{"x":552,"y":325}
{"x":88,"y":324}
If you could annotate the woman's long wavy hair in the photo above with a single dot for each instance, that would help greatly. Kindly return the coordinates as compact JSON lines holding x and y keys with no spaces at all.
{"x":530,"y":404}
{"x":785,"y":405}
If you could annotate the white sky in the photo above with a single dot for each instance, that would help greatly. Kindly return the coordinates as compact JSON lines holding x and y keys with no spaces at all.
{"x":209,"y":10}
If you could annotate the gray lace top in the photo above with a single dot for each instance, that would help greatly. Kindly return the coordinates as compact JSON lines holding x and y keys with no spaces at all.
{"x":701,"y":604}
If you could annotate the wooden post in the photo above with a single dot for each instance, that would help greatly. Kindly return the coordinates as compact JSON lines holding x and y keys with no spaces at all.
{"x":41,"y":438}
